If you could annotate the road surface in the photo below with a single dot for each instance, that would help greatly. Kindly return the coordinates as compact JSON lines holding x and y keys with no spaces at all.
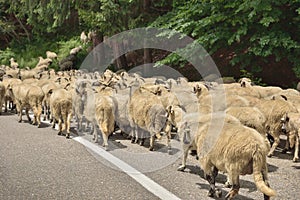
{"x":36,"y":163}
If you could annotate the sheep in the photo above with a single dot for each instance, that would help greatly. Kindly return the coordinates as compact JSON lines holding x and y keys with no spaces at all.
{"x":2,"y":95}
{"x":2,"y":73}
{"x":237,"y":150}
{"x":27,"y":74}
{"x":274,"y":110}
{"x":292,"y":129}
{"x":189,"y":126}
{"x":51,"y":55}
{"x":75,"y":50}
{"x":29,"y":97}
{"x":105,"y":117}
{"x":83,"y":37}
{"x":13,"y":63}
{"x":12,"y":73}
{"x":147,"y":112}
{"x":249,"y":116}
{"x":66,"y":66}
{"x":42,"y":61}
{"x":8,"y":98}
{"x":48,"y":86}
{"x":61,"y":109}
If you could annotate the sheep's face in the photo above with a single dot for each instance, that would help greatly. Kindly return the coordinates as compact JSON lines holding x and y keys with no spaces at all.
{"x":245,"y":82}
{"x":285,"y":123}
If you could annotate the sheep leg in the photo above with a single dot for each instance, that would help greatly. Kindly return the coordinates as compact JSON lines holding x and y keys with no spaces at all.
{"x":142,"y":141}
{"x":152,"y":138}
{"x":105,"y":140}
{"x":275,"y":144}
{"x":296,"y":153}
{"x":287,"y":143}
{"x":67,"y":125}
{"x":212,"y":181}
{"x":38,"y":116}
{"x":27,"y":114}
{"x":5,"y":105}
{"x":95,"y":133}
{"x":184,"y":157}
{"x":19,"y":111}
{"x":59,"y":127}
{"x":234,"y":179}
{"x":168,"y":131}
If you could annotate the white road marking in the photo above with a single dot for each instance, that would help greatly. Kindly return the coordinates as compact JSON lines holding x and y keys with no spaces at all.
{"x":145,"y":181}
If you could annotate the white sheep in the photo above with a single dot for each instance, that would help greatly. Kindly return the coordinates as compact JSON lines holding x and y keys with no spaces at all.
{"x":75,"y":50}
{"x":83,"y":37}
{"x":51,"y":55}
{"x":13,"y":63}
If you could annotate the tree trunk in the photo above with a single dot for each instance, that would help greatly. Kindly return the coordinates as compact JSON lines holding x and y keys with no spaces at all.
{"x":147,"y":4}
{"x":120,"y":62}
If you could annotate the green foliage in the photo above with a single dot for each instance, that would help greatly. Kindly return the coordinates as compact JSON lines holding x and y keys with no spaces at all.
{"x":256,"y":80}
{"x":5,"y":56}
{"x":253,"y":30}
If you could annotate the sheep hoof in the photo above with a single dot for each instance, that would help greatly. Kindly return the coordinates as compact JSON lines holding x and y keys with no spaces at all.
{"x":141,"y":143}
{"x":132,"y":140}
{"x":39,"y":126}
{"x":270,"y":155}
{"x":170,"y":151}
{"x":105,"y":148}
{"x":295,"y":159}
{"x":210,"y":194}
{"x":151,"y":148}
{"x":59,"y":133}
{"x":227,"y":184}
{"x":68,"y":136}
{"x":19,"y":121}
{"x":218,"y":193}
{"x":181,"y":168}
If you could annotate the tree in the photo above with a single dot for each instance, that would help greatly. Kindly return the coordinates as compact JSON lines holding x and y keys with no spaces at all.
{"x":249,"y":34}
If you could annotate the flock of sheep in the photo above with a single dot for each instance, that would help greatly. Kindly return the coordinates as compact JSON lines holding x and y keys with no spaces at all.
{"x":252,"y":117}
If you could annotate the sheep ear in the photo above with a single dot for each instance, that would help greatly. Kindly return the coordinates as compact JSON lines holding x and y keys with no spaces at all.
{"x":66,"y":87}
{"x":50,"y":91}
{"x":58,"y":80}
{"x":284,"y":97}
{"x":273,"y":98}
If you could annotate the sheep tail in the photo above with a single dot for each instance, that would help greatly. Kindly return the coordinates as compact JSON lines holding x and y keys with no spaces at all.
{"x":259,"y":164}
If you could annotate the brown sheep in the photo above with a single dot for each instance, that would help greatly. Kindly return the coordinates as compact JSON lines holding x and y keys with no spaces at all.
{"x":46,"y":101}
{"x":238,"y":150}
{"x":274,"y":110}
{"x":105,"y":117}
{"x":249,"y":116}
{"x":292,"y":129}
{"x":189,"y":127}
{"x":28,"y":97}
{"x":61,"y":109}
{"x":8,"y":98}
{"x":148,"y":113}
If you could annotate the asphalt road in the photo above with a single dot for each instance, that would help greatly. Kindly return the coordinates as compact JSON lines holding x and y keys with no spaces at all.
{"x":39,"y":164}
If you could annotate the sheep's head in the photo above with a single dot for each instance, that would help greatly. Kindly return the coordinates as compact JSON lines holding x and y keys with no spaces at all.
{"x":245,"y":82}
{"x":285,"y":128}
